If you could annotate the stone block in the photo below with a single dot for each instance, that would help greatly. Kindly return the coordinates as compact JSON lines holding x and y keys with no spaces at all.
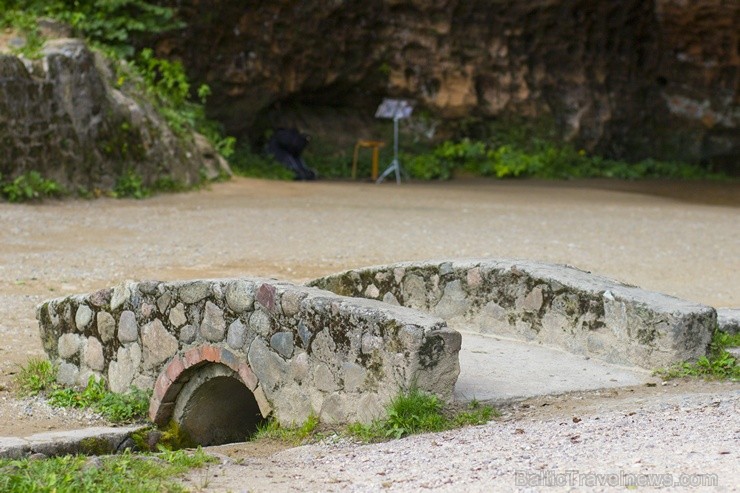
{"x":323,"y":379}
{"x":213,"y":326}
{"x":353,"y":376}
{"x":106,"y":326}
{"x":236,"y":335}
{"x":187,"y":334}
{"x":291,"y":302}
{"x":121,"y":294}
{"x":271,"y":369}
{"x":261,"y":322}
{"x":282,"y":342}
{"x":67,"y":374}
{"x":122,"y":371}
{"x":267,"y":297}
{"x":83,"y":317}
{"x":177,"y":315}
{"x":157,"y":343}
{"x":92,"y":354}
{"x":239,"y":296}
{"x":128,"y":328}
{"x":728,"y":320}
{"x":68,"y":345}
{"x":193,"y":292}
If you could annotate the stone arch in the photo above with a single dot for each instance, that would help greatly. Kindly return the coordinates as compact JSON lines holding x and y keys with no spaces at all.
{"x":213,"y":396}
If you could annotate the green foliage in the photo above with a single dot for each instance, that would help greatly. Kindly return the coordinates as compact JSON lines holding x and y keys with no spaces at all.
{"x":126,"y":472}
{"x":418,"y":412}
{"x":537,"y":159}
{"x":130,"y":184}
{"x":36,"y":376}
{"x":29,"y":186}
{"x":271,"y":429}
{"x":720,"y":364}
{"x":111,"y":23}
{"x":118,"y":408}
{"x":25,"y":22}
{"x":247,"y":163}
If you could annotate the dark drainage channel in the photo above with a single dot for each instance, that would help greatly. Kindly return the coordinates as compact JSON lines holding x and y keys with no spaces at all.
{"x":220,"y":410}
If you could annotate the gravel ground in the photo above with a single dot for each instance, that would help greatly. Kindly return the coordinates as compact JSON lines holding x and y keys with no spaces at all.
{"x":684,"y":436}
{"x":680,"y":239}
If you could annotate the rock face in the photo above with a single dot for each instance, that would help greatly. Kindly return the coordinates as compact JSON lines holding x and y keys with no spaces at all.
{"x":70,"y":117}
{"x":633,"y":78}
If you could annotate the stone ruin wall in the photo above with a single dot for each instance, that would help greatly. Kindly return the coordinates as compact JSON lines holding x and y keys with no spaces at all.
{"x":299,"y":350}
{"x":555,"y":305}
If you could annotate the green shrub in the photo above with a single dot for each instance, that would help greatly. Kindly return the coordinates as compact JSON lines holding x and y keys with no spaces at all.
{"x":111,"y":23}
{"x":130,"y":184}
{"x":30,"y":186}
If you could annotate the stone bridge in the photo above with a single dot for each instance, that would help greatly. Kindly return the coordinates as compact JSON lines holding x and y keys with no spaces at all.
{"x":221,"y":355}
{"x":217,"y":351}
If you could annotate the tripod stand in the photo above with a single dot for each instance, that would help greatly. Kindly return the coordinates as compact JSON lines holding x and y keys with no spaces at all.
{"x":395,"y":164}
{"x":396,"y":109}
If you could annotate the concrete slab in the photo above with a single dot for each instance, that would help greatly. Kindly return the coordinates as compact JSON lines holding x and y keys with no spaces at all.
{"x":497,"y":370}
{"x":95,"y":440}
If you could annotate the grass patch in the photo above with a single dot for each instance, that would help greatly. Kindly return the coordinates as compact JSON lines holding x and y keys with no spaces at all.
{"x":118,"y":473}
{"x":272,"y":430}
{"x":719,"y":365}
{"x":418,"y":412}
{"x":37,"y":376}
{"x":118,"y":408}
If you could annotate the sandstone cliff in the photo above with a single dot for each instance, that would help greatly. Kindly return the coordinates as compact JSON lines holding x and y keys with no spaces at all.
{"x":631,"y":78}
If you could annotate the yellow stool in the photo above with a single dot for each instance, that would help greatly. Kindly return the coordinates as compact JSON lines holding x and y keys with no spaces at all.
{"x":375,"y":145}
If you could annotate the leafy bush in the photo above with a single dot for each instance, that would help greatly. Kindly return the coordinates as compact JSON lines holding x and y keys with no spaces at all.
{"x":110,"y":23}
{"x":538,"y":159}
{"x":29,"y":186}
{"x":130,"y":184}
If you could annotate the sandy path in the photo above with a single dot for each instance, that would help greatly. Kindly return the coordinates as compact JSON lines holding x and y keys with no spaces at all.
{"x":681,"y":239}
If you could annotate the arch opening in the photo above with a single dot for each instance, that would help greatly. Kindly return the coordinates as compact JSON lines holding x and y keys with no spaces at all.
{"x":215,"y":407}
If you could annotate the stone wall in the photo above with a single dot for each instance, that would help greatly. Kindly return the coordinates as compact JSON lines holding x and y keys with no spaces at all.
{"x":300,"y":350}
{"x":70,"y":116}
{"x":555,"y":305}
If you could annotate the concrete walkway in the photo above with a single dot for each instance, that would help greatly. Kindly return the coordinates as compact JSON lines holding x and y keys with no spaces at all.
{"x":498,"y":370}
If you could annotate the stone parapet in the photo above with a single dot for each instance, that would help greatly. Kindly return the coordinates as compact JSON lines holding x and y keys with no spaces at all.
{"x":554,"y":304}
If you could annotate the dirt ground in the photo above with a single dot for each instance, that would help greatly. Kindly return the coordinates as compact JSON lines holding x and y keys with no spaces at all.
{"x":682,"y":239}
